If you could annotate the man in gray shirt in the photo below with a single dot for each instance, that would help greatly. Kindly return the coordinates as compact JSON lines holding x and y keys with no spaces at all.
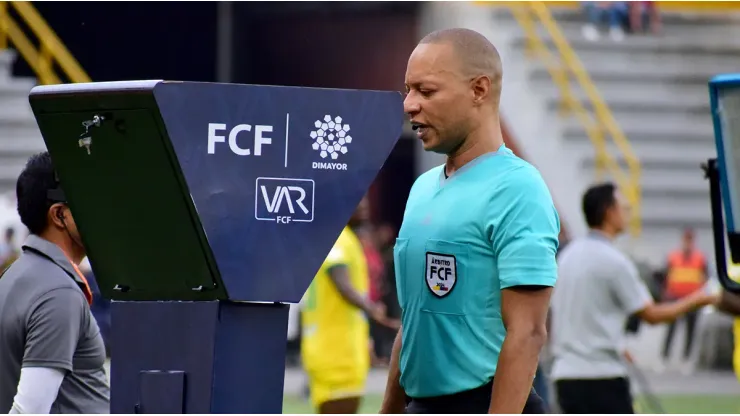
{"x":598,"y":289}
{"x":51,"y":352}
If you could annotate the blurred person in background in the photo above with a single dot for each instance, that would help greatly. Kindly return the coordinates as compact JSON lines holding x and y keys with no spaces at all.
{"x":644,"y":16}
{"x":380,"y":333}
{"x":686,"y":272}
{"x":612,"y":13}
{"x":730,"y":303}
{"x":335,"y":338}
{"x":598,"y":288}
{"x":386,"y":237}
{"x":293,"y":349}
{"x":365,"y":232}
{"x":52,"y":355}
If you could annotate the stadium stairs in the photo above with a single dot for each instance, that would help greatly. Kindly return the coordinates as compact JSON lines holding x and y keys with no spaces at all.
{"x":656,"y":88}
{"x":19,"y":134}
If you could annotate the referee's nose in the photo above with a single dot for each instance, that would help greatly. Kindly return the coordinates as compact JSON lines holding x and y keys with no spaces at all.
{"x":411,"y":104}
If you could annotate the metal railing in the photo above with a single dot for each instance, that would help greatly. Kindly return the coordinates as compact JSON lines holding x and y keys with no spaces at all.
{"x":564,"y":66}
{"x":50,"y":59}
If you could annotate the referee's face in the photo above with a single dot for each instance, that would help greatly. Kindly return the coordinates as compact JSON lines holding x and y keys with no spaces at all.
{"x":438,"y":97}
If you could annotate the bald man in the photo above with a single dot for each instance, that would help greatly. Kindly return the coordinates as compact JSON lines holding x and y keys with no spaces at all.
{"x":475,"y":256}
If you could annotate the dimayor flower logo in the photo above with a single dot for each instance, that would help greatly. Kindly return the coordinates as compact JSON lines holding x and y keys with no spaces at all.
{"x":331,"y":137}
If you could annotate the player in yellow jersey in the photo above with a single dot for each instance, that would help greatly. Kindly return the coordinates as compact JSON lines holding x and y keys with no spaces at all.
{"x":730,"y":303}
{"x":335,"y":332}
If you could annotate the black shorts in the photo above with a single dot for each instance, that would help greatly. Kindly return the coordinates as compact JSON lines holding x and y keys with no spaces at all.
{"x":600,"y":396}
{"x":475,"y":401}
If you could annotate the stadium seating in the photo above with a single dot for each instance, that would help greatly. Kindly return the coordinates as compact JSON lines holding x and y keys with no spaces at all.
{"x":19,"y":135}
{"x":24,"y":33}
{"x":656,"y":89}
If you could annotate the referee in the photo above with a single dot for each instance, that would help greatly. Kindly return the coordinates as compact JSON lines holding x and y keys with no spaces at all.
{"x":475,"y":256}
{"x":51,"y":351}
{"x":598,"y":289}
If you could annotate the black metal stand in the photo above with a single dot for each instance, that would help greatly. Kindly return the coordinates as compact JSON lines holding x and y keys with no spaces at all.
{"x":711,"y":172}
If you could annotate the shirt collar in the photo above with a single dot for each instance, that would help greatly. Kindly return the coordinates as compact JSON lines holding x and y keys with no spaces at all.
{"x":598,"y":235}
{"x":55,"y":254}
{"x":444,"y":178}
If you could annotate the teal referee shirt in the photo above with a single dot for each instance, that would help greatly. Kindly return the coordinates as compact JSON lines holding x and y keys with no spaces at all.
{"x":490,"y":226}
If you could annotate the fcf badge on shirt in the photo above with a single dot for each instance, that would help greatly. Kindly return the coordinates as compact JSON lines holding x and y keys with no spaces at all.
{"x":441,"y":273}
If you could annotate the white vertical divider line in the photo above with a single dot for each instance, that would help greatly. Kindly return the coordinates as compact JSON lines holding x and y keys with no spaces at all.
{"x":287,"y":127}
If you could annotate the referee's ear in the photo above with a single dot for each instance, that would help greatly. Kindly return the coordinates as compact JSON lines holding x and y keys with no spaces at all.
{"x":481,"y":87}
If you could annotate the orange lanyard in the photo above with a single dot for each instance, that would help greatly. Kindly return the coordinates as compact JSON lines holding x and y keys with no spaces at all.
{"x":86,"y":290}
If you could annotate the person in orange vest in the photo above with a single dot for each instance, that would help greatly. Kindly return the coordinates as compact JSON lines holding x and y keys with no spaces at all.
{"x":686,"y":272}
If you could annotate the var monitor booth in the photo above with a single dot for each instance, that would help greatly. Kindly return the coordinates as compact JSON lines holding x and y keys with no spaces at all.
{"x":724,"y":175}
{"x":205,"y":208}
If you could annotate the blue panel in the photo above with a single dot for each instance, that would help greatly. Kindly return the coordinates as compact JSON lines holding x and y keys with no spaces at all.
{"x":231,"y":356}
{"x":276,"y":172}
{"x":161,"y":392}
{"x":249,"y":366}
{"x":164,"y":336}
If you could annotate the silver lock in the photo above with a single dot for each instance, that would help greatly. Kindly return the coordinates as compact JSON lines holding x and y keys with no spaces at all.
{"x":86,"y":142}
{"x":86,"y":138}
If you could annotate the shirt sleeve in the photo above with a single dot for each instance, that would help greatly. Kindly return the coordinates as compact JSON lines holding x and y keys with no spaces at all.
{"x":630,"y":290}
{"x":37,"y":390}
{"x":54,"y":327}
{"x":338,"y":256}
{"x":525,"y":232}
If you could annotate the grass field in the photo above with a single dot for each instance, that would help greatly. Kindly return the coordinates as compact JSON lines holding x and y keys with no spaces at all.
{"x":672,"y":404}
